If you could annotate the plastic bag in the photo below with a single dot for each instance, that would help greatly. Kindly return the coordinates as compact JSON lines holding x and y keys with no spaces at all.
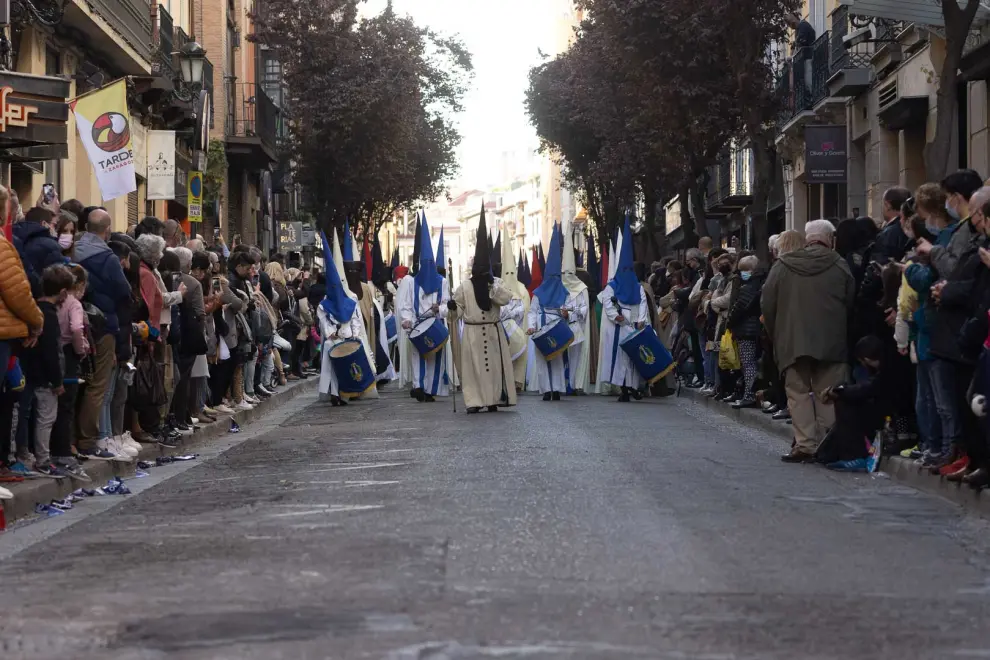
{"x":728,"y":355}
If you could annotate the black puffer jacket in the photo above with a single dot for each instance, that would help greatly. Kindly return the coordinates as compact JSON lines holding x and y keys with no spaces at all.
{"x":958,"y":304}
{"x":744,"y":315}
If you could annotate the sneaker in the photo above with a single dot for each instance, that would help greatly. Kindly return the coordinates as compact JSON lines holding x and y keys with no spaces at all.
{"x":265,"y":391}
{"x":207,"y":418}
{"x":910,"y":453}
{"x":244,"y":405}
{"x":126,"y":448}
{"x":212,"y":412}
{"x":108,"y":445}
{"x":5,"y":494}
{"x":193,"y":421}
{"x":225,"y":410}
{"x":48,"y":510}
{"x":932,"y":460}
{"x":252,"y":399}
{"x":183,"y":429}
{"x":74,"y":472}
{"x":955,"y":466}
{"x":98,"y":454}
{"x":48,"y":471}
{"x":234,"y":427}
{"x":127,"y":440}
{"x":858,"y":465}
{"x":18,"y":469}
{"x":116,"y":486}
{"x":167,"y":442}
{"x":62,"y":505}
{"x":8,"y":477}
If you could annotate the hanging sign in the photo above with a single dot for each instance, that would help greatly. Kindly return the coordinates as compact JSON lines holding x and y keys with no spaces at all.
{"x":161,"y":165}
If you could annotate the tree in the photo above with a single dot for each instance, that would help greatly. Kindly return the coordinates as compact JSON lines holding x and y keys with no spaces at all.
{"x":373,"y":100}
{"x":958,"y":22}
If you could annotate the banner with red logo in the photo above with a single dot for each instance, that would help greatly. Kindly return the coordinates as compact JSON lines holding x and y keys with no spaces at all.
{"x":104,"y":126}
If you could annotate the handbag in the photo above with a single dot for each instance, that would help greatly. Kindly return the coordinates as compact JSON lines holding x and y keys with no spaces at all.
{"x":149,"y":382}
{"x":728,"y":355}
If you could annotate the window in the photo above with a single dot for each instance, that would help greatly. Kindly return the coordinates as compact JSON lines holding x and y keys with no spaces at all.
{"x":53,"y":63}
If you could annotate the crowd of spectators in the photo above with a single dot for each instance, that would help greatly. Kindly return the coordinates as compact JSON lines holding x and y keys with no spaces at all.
{"x":110,"y":341}
{"x":853,"y":330}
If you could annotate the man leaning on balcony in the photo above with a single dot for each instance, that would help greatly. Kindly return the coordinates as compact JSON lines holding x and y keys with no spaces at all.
{"x":804,"y":39}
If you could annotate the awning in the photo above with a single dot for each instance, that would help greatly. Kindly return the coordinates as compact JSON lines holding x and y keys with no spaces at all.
{"x":922,"y":12}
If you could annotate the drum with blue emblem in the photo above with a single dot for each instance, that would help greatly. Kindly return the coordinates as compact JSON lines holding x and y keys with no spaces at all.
{"x":391,"y":327}
{"x":429,"y":336}
{"x":553,"y":339}
{"x":653,"y":361}
{"x":352,"y":368}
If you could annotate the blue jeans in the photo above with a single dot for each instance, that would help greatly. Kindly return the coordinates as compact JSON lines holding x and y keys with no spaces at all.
{"x":106,"y":423}
{"x":942,"y":378}
{"x":711,"y":368}
{"x":929,"y":422}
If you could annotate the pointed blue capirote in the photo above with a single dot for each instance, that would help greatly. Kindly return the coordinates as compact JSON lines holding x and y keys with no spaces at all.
{"x":427,"y":279}
{"x":552,"y":292}
{"x":348,"y":247}
{"x":336,"y":303}
{"x":441,"y":256}
{"x":625,"y":284}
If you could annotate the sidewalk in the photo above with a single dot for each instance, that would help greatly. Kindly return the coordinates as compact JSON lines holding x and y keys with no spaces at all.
{"x":900,"y":469}
{"x":32,"y":492}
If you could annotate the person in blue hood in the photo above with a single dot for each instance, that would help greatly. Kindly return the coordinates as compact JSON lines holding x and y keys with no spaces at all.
{"x":624,"y":311}
{"x":37,"y":245}
{"x":107,"y":289}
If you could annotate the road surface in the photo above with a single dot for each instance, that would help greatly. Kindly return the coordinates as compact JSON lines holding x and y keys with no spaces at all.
{"x":579,"y":529}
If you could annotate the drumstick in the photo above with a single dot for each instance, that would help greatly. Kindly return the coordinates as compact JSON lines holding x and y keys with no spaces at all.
{"x":615,"y":301}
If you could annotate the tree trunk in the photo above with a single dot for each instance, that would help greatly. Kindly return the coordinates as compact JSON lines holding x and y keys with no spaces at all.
{"x":958,"y":22}
{"x":687,"y":224}
{"x":650,"y":217}
{"x":699,"y":197}
{"x":764,"y":161}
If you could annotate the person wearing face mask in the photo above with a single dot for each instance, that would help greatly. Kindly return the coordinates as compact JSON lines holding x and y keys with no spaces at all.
{"x":744,"y":322}
{"x":37,"y":245}
{"x":718,"y":309}
{"x":959,"y":188}
{"x":65,"y":230}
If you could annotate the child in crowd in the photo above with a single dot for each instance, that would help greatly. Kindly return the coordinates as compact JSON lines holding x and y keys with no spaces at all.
{"x":860,"y":409}
{"x":42,"y":365}
{"x":75,"y":347}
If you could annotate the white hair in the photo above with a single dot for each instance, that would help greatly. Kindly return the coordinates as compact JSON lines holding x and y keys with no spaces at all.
{"x":821,"y":229}
{"x":185,"y":258}
{"x":748,"y":263}
{"x":151,"y":248}
{"x":979,"y":198}
{"x":196,"y":245}
{"x":773,"y":241}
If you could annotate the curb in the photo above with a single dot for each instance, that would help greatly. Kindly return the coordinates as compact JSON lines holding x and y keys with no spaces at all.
{"x":29,"y":493}
{"x":899,"y":469}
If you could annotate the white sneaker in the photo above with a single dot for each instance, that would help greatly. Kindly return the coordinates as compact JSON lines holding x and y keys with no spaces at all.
{"x":125,"y":448}
{"x":250,"y":398}
{"x":5,"y":494}
{"x":244,"y":405}
{"x":265,"y":391}
{"x":127,"y":440}
{"x":194,"y":420}
{"x":224,"y":409}
{"x":109,"y":445}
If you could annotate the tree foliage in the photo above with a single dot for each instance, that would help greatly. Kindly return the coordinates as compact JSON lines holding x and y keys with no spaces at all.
{"x":650,"y":94}
{"x":372,"y":102}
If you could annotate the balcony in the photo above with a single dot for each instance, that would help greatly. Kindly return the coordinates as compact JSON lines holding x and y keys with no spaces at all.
{"x":801,"y":95}
{"x":850,"y":73}
{"x":120,"y":30}
{"x":162,"y":65}
{"x":252,"y":126}
{"x":730,"y":184}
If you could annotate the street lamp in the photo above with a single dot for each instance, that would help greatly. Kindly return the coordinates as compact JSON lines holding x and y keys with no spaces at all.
{"x":192,"y":60}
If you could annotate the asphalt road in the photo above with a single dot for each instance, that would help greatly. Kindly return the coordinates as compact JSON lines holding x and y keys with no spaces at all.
{"x":579,"y":529}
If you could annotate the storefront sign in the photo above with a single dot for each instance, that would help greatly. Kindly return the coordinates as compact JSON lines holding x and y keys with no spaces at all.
{"x":33,"y":116}
{"x":161,"y":164}
{"x":290,"y":236}
{"x":12,"y":113}
{"x":103,"y":124}
{"x":825,"y":154}
{"x":195,"y":196}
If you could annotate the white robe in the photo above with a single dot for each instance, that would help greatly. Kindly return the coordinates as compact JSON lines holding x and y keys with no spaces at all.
{"x":406,"y":285}
{"x":577,"y":354}
{"x":429,"y":374}
{"x":353,"y":329}
{"x":555,"y":375}
{"x":615,"y":366}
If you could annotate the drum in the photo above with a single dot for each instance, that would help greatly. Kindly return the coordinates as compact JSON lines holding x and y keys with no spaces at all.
{"x":553,"y":339}
{"x":429,"y":336}
{"x":653,"y":361}
{"x":391,"y":327}
{"x":516,"y":338}
{"x":353,"y":369}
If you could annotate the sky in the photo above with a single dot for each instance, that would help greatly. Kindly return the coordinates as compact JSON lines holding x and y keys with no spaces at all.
{"x":504,"y":38}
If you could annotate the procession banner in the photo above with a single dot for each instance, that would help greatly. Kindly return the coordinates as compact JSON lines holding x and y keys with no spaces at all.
{"x":161,"y":165}
{"x":104,"y":126}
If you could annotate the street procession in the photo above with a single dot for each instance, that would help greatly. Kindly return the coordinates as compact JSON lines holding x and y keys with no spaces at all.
{"x":487,"y":337}
{"x":494,"y":329}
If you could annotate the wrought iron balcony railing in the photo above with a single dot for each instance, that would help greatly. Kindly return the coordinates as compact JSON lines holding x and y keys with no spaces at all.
{"x":162,"y":64}
{"x":251,"y":113}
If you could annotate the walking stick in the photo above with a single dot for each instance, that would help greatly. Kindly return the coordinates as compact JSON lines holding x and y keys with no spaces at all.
{"x":450,"y":330}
